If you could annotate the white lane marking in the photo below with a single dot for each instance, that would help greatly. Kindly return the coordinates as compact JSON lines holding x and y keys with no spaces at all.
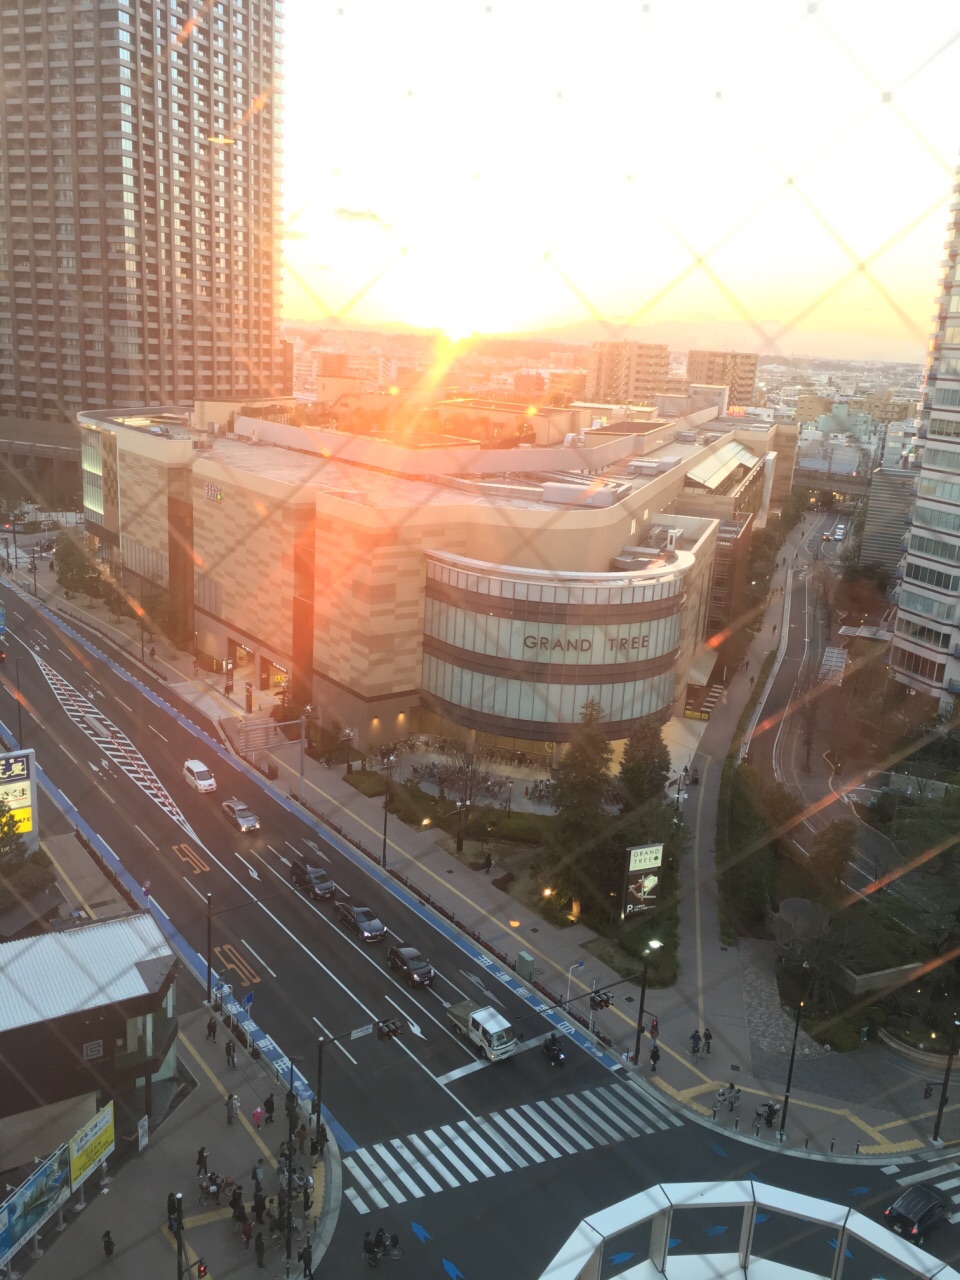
{"x":190,"y":885}
{"x":615,"y":1118}
{"x":511,"y":1129}
{"x":500,"y":1141}
{"x":448,"y":1155}
{"x":463,"y":1071}
{"x":346,"y":1053}
{"x":427,"y":1154}
{"x":397,"y":1170}
{"x":316,"y":849}
{"x":410,"y":1022}
{"x":634,"y":1106}
{"x":18,"y":615}
{"x":358,"y":1204}
{"x":467,"y":1150}
{"x":487,"y":1149}
{"x":602,"y":1125}
{"x":365,"y":1182}
{"x":559,"y":1123}
{"x":552,"y":1125}
{"x":259,"y":959}
{"x":123,"y":704}
{"x":155,"y":903}
{"x":579,"y":1120}
{"x":145,"y":836}
{"x":426,"y":1178}
{"x":252,"y":870}
{"x":64,"y":652}
{"x":294,"y":848}
{"x":388,"y":1185}
{"x":285,"y":861}
{"x":478,"y":982}
{"x":158,"y":733}
{"x":534,"y":1134}
{"x":929,"y":1172}
{"x":69,"y":753}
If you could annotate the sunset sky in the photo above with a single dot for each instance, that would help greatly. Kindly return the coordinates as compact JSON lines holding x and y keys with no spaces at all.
{"x":764,"y":173}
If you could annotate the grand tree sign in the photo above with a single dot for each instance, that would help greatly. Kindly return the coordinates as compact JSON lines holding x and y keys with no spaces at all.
{"x":641,"y":880}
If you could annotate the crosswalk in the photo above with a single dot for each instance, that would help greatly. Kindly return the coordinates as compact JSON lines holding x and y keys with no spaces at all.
{"x":946,"y":1177}
{"x":455,"y":1155}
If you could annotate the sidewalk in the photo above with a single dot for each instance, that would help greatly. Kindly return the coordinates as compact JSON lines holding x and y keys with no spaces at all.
{"x":132,"y":1206}
{"x":871,"y":1105}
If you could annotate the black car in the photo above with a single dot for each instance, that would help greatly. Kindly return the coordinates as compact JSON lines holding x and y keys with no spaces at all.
{"x":361,"y":921}
{"x":311,"y":881}
{"x":408,"y":961}
{"x":917,"y":1212}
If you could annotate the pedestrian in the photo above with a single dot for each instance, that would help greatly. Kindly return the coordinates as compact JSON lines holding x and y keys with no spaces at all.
{"x":230,"y":1052}
{"x":284,"y":1151}
{"x":172,"y":1212}
{"x":201,"y":1161}
{"x":233,"y":1106}
{"x":246,"y":1231}
{"x":314,"y":1151}
{"x":306,"y":1257}
{"x":751,"y":682}
{"x":307,"y":1199}
{"x":487,"y":862}
{"x":302,"y":1137}
{"x":707,"y":1039}
{"x":257,"y":1114}
{"x":212,"y":1029}
{"x":654,"y":1059}
{"x":774,"y":630}
{"x":695,"y":1042}
{"x":256,"y":1174}
{"x":654,"y":1029}
{"x":239,"y":1216}
{"x":322,"y":1137}
{"x":733,"y":1097}
{"x":268,"y":1105}
{"x":236,"y":1196}
{"x":153,"y":652}
{"x":259,"y":1204}
{"x":259,"y":1248}
{"x":107,"y":1239}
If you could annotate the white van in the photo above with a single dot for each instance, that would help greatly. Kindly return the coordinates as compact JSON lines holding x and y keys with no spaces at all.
{"x":199,"y":776}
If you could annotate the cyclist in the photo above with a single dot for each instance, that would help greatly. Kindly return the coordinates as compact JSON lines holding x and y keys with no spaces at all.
{"x":380,"y":1240}
{"x":369,"y":1248}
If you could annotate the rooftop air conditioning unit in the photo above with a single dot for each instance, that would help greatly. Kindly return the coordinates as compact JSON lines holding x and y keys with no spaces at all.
{"x":673,"y":537}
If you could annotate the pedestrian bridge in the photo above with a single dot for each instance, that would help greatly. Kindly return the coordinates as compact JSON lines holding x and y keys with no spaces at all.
{"x":761,"y":1231}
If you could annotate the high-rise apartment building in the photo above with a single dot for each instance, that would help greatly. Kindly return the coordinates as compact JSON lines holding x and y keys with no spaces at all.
{"x":734,"y":369}
{"x":139,"y":203}
{"x":627,"y":372}
{"x":927,"y":628}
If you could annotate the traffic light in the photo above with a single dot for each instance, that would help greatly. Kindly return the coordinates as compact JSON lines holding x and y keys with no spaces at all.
{"x":388,"y":1028}
{"x":927,"y":1091}
{"x":600,"y":1000}
{"x":201,"y":1268}
{"x":248,"y":689}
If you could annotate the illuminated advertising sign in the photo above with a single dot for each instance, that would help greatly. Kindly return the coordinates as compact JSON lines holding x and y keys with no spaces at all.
{"x":641,"y":881}
{"x":18,"y":789}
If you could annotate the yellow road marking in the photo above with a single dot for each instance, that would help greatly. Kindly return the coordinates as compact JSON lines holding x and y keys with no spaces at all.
{"x":231,"y":958}
{"x":190,"y":856}
{"x":214,"y":1080}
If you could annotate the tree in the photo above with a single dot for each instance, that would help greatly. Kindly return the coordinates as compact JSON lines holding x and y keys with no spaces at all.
{"x":831,"y":850}
{"x":465,"y":776}
{"x":644,"y":768}
{"x":13,"y":852}
{"x":74,"y":570}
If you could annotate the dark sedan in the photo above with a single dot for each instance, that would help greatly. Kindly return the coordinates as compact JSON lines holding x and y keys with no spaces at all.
{"x":361,"y":921}
{"x":313,"y":882}
{"x":917,"y":1212}
{"x":408,"y":961}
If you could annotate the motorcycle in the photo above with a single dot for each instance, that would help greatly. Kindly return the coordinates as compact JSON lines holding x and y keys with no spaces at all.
{"x":553,"y":1052}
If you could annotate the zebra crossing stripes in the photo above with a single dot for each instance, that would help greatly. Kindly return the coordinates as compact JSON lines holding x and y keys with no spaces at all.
{"x":948,"y":1182}
{"x":467,"y":1151}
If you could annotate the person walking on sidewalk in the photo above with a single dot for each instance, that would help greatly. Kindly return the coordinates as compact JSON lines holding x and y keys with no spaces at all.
{"x":212,"y":1029}
{"x":733,"y":1097}
{"x":202,"y":1161}
{"x":259,"y":1247}
{"x":654,"y":1059}
{"x":108,"y":1245}
{"x":256,"y":1174}
{"x":246,"y":1231}
{"x":230,"y":1050}
{"x":259,"y":1204}
{"x":306,"y":1257}
{"x":233,"y":1107}
{"x":257,"y":1115}
{"x":268,"y":1106}
{"x":707,"y":1040}
{"x":302,"y":1137}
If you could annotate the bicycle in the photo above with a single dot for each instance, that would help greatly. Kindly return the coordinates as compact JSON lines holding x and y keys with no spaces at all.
{"x":391,"y":1249}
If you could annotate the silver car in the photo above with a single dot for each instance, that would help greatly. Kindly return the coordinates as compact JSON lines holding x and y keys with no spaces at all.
{"x":241,"y":815}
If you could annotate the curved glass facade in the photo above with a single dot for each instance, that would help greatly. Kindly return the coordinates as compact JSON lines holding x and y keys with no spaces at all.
{"x":518,"y":652}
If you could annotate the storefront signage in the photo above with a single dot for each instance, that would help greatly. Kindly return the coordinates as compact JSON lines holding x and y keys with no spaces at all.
{"x":641,"y":882}
{"x":91,"y":1146}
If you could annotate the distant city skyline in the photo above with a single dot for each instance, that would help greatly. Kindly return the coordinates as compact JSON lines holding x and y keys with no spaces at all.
{"x":758,"y":177}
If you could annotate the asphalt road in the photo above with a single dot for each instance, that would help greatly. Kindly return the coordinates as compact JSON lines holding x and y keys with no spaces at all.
{"x":309,"y":977}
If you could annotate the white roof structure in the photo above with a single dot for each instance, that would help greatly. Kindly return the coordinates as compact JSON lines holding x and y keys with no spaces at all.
{"x":58,"y":974}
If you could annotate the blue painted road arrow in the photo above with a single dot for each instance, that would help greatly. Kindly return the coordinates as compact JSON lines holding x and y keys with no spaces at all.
{"x":420,"y":1232}
{"x":452,"y":1270}
{"x":716,"y":1148}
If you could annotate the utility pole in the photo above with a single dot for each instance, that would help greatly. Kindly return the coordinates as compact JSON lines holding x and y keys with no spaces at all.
{"x":209,"y":941}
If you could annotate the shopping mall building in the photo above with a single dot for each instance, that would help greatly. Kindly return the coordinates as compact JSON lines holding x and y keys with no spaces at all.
{"x":440,"y":587}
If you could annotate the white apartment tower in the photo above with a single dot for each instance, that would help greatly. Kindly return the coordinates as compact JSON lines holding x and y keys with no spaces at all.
{"x":925,"y":652}
{"x":627,"y":372}
{"x":139,"y":203}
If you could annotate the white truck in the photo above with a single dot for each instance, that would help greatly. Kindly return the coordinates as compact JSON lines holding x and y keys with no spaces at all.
{"x":484,"y":1027}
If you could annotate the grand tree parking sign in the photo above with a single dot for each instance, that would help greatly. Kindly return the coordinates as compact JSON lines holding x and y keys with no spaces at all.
{"x":641,"y":880}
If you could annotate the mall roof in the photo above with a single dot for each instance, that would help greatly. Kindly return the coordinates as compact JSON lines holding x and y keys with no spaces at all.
{"x":58,"y":974}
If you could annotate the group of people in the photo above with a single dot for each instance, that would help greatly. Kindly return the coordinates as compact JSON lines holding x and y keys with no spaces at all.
{"x":730,"y":1095}
{"x":375,"y":1246}
{"x":700,"y":1044}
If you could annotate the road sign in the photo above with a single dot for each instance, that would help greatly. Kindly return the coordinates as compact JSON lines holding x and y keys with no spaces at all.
{"x":362,"y":1031}
{"x":247,"y":1001}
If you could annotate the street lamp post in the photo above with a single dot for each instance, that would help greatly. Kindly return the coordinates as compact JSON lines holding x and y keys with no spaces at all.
{"x":307,"y":711}
{"x":16,"y":668}
{"x":509,"y":796}
{"x":653,"y":945}
{"x":793,"y":1056}
{"x":209,"y":942}
{"x":389,"y":766}
{"x":33,"y":566}
{"x":346,"y":737}
{"x":577,"y":964}
{"x":462,"y":806}
{"x":946,"y":1080}
{"x":181,"y":1259}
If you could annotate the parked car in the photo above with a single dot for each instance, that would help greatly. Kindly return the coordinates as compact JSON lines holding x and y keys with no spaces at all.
{"x":199,"y":777}
{"x":917,"y":1212}
{"x":361,"y":921}
{"x":408,"y":961}
{"x":241,"y":815}
{"x":313,"y":882}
